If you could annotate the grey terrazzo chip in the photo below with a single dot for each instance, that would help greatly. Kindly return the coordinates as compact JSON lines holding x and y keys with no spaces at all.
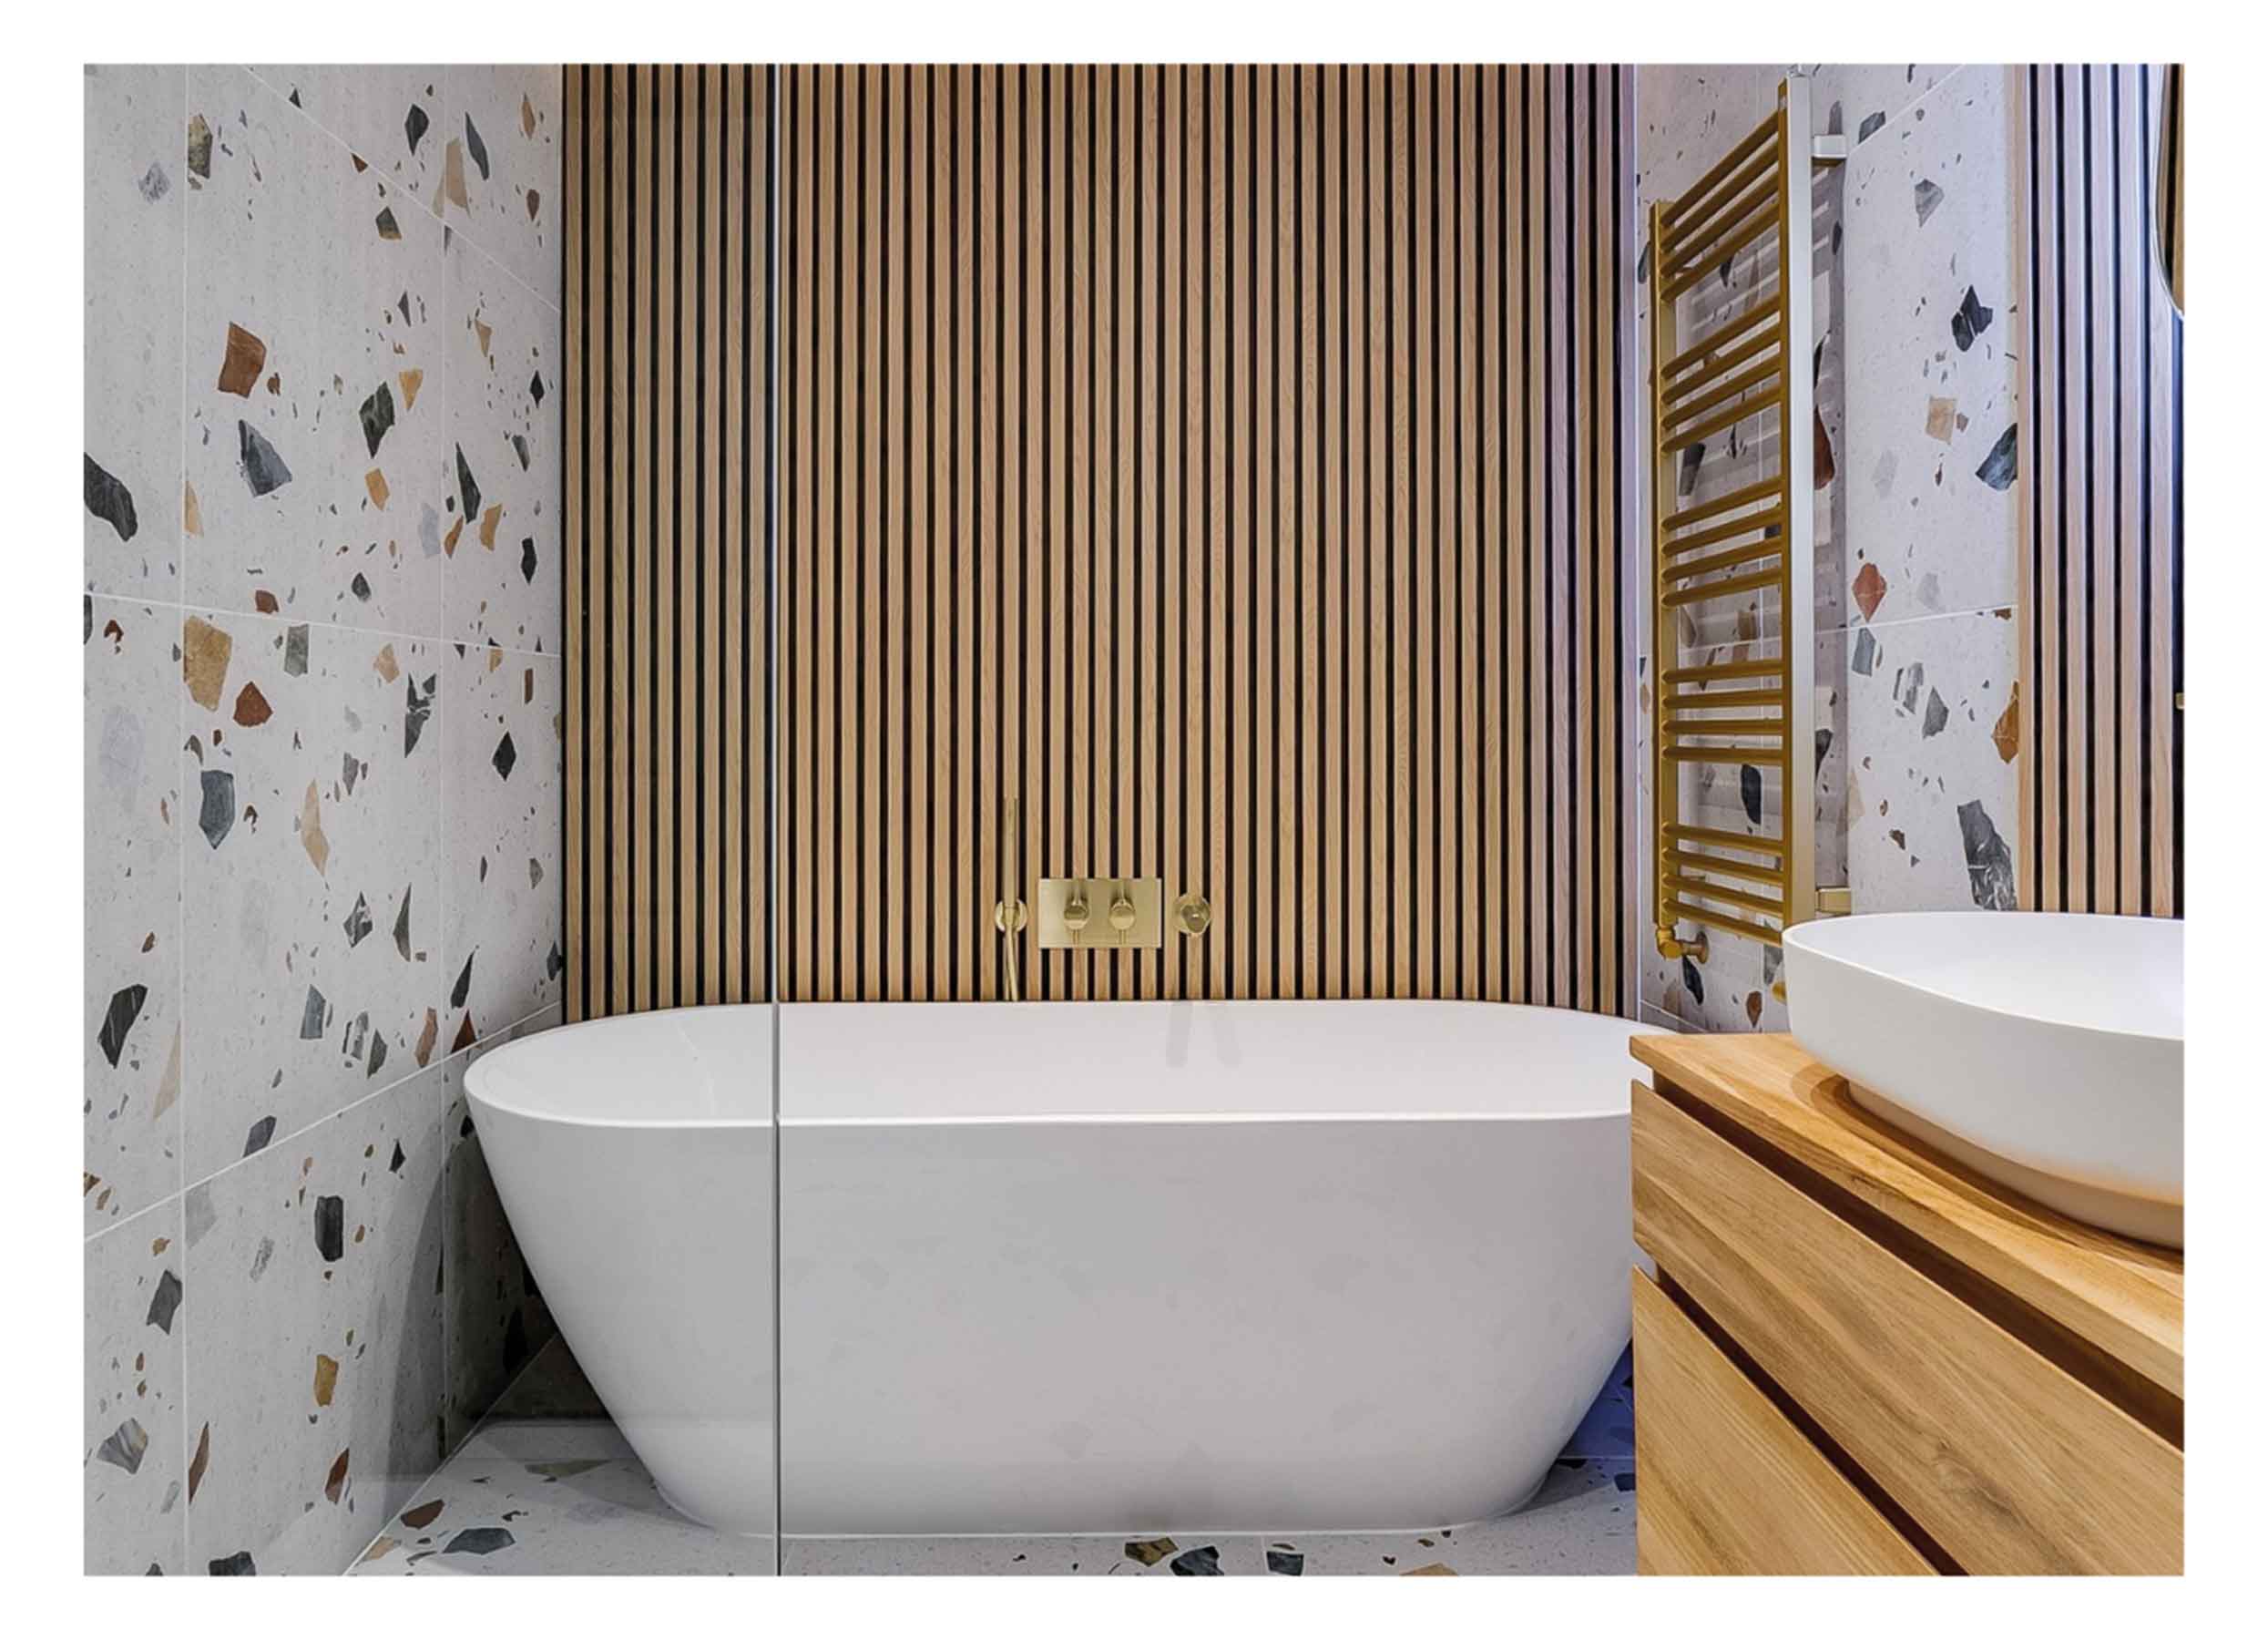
{"x":164,"y":1302}
{"x":377,"y":416}
{"x":478,"y":1540}
{"x":265,"y":471}
{"x":125,"y":1007}
{"x":124,"y":1446}
{"x":1998,"y":468}
{"x":1933,"y":715}
{"x":110,"y":500}
{"x":469,"y":489}
{"x":419,"y":708}
{"x":330,"y":1227}
{"x":216,"y":807}
{"x":1992,"y":871}
{"x":1971,"y":320}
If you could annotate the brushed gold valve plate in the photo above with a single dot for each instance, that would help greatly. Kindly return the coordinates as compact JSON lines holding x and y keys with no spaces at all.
{"x":1057,"y":912}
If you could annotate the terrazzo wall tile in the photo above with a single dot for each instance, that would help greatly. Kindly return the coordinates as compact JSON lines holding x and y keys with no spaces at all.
{"x":501,"y":168}
{"x":267,"y":863}
{"x":134,"y":1461}
{"x":311,"y":890}
{"x":1914,"y":390}
{"x":496,"y":1319}
{"x":391,"y":509}
{"x":1926,"y":582}
{"x":501,"y":794}
{"x":135,"y":186}
{"x":1868,"y":94}
{"x":314,"y":451}
{"x":390,"y":115}
{"x":132,"y":1017}
{"x":1933,"y":786}
{"x":1929,"y":260}
{"x":315,"y":1366}
{"x":502,"y":531}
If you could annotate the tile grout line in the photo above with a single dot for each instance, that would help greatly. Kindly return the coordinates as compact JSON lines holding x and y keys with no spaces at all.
{"x":449,"y":1457}
{"x":1687,"y":651}
{"x":439,"y":220}
{"x":445,"y":365}
{"x":179,"y":511}
{"x":488,"y":1040}
{"x":1903,"y":621}
{"x":332,"y":626}
{"x":159,"y":1205}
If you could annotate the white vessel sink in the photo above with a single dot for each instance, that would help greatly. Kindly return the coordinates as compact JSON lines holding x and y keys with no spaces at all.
{"x":2043,"y":1050}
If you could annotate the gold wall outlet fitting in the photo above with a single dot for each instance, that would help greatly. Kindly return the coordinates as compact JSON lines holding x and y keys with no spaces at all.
{"x":1101,"y":913}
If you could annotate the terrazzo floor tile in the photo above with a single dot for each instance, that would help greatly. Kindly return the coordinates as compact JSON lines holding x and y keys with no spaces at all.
{"x":552,"y":1496}
{"x":1584,"y":1523}
{"x":548,"y":1486}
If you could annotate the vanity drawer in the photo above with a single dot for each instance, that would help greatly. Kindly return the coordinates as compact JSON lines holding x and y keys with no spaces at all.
{"x":1726,"y":1484}
{"x":2000,"y":1456}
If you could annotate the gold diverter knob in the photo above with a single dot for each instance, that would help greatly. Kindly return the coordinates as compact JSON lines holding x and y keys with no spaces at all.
{"x":1122,"y":912}
{"x":1076,"y":915}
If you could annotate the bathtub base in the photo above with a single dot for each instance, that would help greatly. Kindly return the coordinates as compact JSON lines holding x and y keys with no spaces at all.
{"x":1321,"y":1325}
{"x":709,"y":1525}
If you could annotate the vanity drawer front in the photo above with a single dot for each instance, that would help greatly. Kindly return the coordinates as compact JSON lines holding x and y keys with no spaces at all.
{"x":2000,"y":1456}
{"x":1725,"y":1483}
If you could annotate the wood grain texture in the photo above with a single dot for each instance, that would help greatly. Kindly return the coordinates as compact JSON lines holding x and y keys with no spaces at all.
{"x":1727,"y":1485}
{"x":2123,"y":1298}
{"x":673,"y":438}
{"x":2005,"y":1460}
{"x":1176,"y":512}
{"x":1227,"y":467}
{"x":2099,"y":491}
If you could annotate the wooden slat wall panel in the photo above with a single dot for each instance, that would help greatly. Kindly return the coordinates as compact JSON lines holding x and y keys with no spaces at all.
{"x":671,"y":448}
{"x":1270,"y":463}
{"x":2099,"y":566}
{"x":1229,"y":466}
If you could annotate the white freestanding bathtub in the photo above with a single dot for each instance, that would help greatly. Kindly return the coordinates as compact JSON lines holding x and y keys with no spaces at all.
{"x":1063,"y":1267}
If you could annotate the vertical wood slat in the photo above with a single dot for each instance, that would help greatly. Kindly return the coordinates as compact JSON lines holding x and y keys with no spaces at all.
{"x":575,"y":166}
{"x":2099,"y":532}
{"x":670,"y":414}
{"x":1161,"y":449}
{"x":1478,"y":714}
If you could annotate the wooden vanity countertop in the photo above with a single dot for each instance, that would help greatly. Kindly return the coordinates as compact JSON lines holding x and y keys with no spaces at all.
{"x":2120,"y":1298}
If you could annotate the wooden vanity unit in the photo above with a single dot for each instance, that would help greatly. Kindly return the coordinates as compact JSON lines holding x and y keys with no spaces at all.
{"x":1859,"y":1358}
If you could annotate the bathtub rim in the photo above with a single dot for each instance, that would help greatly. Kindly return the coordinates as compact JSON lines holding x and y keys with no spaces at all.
{"x":477,"y":1075}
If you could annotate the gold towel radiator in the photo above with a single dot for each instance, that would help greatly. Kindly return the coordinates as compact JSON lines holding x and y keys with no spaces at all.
{"x":1753,"y":710}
